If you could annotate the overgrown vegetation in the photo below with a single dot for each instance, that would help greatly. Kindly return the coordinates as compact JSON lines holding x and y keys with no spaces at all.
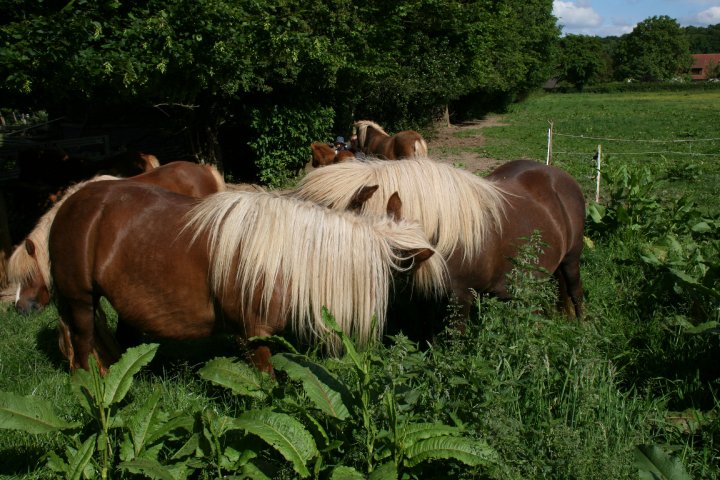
{"x":631,"y":391}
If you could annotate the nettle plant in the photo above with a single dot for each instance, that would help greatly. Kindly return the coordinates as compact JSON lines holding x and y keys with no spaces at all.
{"x":353,"y":424}
{"x":672,"y":240}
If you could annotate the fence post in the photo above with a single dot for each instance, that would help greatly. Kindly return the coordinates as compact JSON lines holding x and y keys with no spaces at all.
{"x":549,"y":144}
{"x":597,"y":185}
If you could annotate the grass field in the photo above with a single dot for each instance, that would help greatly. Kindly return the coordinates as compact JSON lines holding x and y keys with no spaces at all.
{"x":674,"y":134}
{"x":633,"y":389}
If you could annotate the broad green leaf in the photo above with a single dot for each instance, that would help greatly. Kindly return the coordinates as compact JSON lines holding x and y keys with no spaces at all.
{"x":239,"y":377}
{"x":346,"y":473}
{"x":88,"y":385}
{"x":57,"y":464}
{"x":596,"y":212}
{"x":416,"y":432}
{"x":386,"y":471}
{"x":80,"y":459}
{"x":149,"y":468}
{"x":120,"y":375}
{"x":467,"y":450}
{"x":30,"y":414}
{"x":288,"y":436}
{"x":702,"y":227}
{"x":321,"y":386}
{"x":655,"y":464}
{"x":694,"y":282}
{"x":276,"y":339}
{"x":350,"y":349}
{"x":180,"y":421}
{"x":141,"y":424}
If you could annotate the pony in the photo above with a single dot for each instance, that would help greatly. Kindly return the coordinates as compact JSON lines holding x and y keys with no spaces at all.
{"x":128,"y":164}
{"x":324,"y":154}
{"x":476,"y":224}
{"x":245,"y":263}
{"x":372,"y":140}
{"x":29,"y":264}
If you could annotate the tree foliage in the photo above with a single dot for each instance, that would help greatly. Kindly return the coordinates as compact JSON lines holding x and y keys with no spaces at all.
{"x":655,"y":50}
{"x":582,"y":60}
{"x":703,"y":39}
{"x":215,"y":62}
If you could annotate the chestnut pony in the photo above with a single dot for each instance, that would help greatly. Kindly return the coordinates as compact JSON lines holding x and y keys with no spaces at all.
{"x":247,"y":263}
{"x":475,"y":223}
{"x":372,"y":140}
{"x":324,"y":154}
{"x":29,"y":265}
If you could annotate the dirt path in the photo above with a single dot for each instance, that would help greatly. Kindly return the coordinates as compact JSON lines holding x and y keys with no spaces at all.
{"x":462,"y":145}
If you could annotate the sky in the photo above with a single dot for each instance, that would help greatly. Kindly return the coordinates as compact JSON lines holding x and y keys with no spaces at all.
{"x":604,"y":18}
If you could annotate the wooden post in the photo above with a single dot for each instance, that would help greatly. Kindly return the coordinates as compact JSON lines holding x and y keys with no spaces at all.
{"x":597,"y":184}
{"x":549,"y":145}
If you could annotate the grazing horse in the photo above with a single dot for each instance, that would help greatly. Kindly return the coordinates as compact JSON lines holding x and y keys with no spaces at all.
{"x":29,"y":265}
{"x":324,"y":154}
{"x":247,"y":263}
{"x":476,"y":224}
{"x":374,"y":141}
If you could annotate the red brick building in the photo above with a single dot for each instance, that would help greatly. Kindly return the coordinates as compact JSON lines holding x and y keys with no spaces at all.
{"x":703,"y":63}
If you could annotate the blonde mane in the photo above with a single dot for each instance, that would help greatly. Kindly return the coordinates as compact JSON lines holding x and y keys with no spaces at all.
{"x":456,"y":208}
{"x":362,"y":126}
{"x":260,"y":242}
{"x":21,"y":266}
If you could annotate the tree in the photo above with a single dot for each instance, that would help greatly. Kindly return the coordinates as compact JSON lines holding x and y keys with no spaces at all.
{"x":581,"y":59}
{"x":249,"y":70}
{"x":655,"y":50}
{"x":703,"y":39}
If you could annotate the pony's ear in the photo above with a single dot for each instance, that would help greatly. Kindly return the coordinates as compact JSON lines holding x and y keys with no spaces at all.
{"x":361,"y":196}
{"x":30,"y":247}
{"x":394,"y":207}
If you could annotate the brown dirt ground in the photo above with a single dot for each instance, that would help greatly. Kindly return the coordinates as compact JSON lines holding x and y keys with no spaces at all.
{"x":450,"y":144}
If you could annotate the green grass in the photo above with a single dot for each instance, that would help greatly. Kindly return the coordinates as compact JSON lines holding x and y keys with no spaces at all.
{"x":556,"y":399}
{"x":689,"y":167}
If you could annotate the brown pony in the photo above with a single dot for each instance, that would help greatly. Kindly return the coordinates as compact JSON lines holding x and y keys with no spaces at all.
{"x":247,"y":263}
{"x":372,"y":140}
{"x":324,"y":154}
{"x":476,"y":224}
{"x":29,"y":265}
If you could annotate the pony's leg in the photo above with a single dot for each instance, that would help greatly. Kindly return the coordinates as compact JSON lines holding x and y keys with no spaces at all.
{"x":260,"y":355}
{"x":77,"y":340}
{"x":571,"y":291}
{"x":65,"y":342}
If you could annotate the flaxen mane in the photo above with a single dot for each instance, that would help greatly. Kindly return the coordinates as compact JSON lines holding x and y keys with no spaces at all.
{"x":21,"y":266}
{"x":455,"y":207}
{"x":259,"y":241}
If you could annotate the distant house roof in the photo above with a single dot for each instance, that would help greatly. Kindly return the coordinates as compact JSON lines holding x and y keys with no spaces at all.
{"x":702,"y":62}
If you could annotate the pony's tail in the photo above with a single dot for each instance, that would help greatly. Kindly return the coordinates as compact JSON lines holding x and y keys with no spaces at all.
{"x":421,"y":149}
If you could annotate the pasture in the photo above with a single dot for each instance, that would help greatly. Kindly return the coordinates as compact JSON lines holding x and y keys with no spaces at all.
{"x":633,"y":389}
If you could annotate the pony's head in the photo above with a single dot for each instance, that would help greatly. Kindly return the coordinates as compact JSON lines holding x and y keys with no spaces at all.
{"x":322,"y":154}
{"x":24,"y":269}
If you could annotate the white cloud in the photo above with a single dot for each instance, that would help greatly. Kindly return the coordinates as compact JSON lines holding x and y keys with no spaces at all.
{"x":576,"y":16}
{"x":710,"y":16}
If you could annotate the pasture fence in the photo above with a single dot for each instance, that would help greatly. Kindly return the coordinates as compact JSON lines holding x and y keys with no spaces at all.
{"x":596,"y":153}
